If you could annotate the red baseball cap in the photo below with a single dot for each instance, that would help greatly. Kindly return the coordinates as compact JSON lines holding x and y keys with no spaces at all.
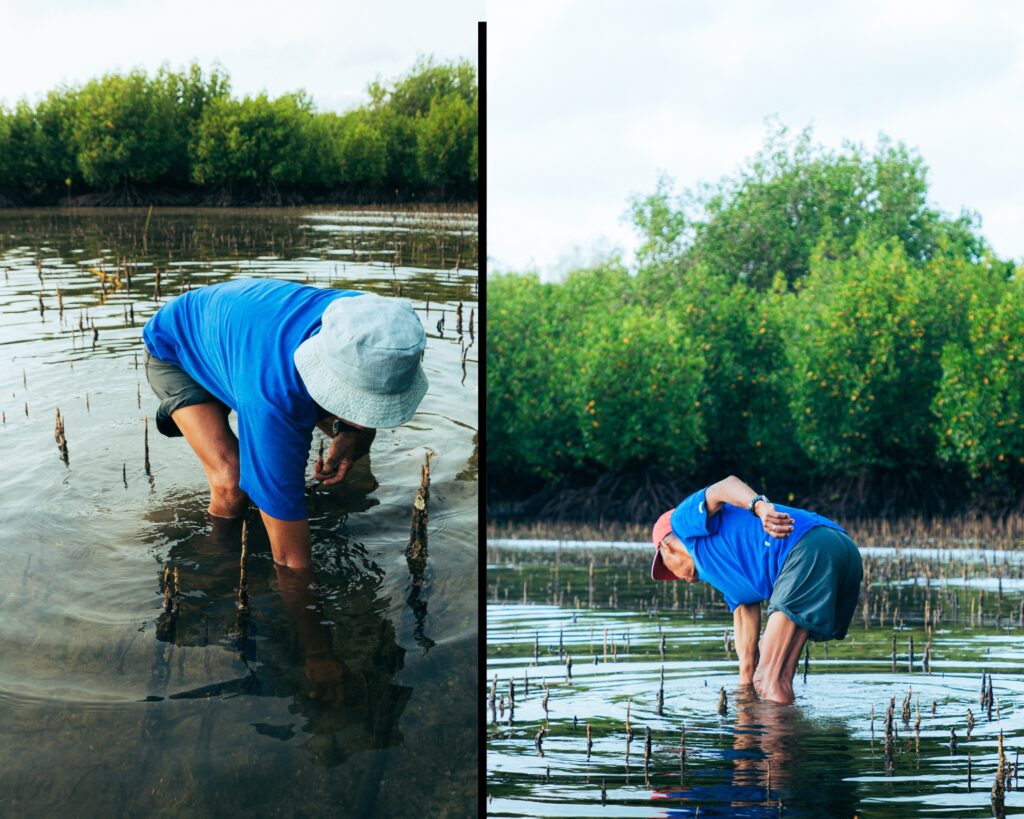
{"x":659,"y":571}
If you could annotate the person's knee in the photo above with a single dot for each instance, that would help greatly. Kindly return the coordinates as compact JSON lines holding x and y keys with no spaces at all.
{"x":228,"y":499}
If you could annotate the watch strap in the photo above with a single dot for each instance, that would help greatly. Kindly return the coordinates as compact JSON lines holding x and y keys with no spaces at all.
{"x":753,"y":503}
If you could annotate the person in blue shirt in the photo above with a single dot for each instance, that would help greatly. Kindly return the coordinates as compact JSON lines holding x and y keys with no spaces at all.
{"x":751,"y":550}
{"x":285,"y":357}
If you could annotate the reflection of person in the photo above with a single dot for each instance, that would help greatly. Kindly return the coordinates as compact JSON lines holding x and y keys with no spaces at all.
{"x":748,"y":548}
{"x":286,"y":358}
{"x":342,"y":687}
{"x":792,"y":745}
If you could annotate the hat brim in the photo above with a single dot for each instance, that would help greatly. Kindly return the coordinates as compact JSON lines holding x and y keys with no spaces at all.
{"x":368,"y":409}
{"x":659,"y":571}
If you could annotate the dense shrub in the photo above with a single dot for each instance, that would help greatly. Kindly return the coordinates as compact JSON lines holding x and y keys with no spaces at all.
{"x":812,"y":323}
{"x":133,"y":132}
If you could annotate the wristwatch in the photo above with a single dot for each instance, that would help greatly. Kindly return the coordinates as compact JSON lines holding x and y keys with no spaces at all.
{"x":753,"y":503}
{"x":343,"y":426}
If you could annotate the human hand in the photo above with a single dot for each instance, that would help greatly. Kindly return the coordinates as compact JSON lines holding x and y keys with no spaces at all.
{"x":346,"y":448}
{"x":776,"y":524}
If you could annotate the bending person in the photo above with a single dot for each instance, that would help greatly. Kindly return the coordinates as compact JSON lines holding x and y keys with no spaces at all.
{"x":805,"y":566}
{"x":286,"y":357}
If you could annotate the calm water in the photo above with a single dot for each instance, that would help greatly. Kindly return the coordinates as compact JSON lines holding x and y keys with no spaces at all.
{"x":630,"y":639}
{"x":104,"y":710}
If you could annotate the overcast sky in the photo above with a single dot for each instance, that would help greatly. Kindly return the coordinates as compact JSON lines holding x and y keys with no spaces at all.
{"x":588,"y":100}
{"x":330,"y":48}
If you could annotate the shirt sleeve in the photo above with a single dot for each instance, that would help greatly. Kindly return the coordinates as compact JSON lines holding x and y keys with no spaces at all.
{"x":690,"y":519}
{"x":273,"y":454}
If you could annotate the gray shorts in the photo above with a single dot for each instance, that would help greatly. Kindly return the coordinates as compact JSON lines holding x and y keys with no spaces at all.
{"x":819,"y":583}
{"x":176,"y":389}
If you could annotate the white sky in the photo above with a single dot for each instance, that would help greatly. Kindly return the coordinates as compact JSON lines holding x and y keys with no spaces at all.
{"x":589,"y":99}
{"x":330,"y":48}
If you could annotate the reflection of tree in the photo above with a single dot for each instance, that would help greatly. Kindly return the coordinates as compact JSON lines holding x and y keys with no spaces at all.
{"x":328,"y":645}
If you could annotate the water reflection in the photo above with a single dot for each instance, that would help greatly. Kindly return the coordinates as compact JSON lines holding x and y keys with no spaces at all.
{"x":80,"y":583}
{"x":323,"y":641}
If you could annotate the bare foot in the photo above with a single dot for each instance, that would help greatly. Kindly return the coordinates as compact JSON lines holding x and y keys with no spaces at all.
{"x":776,"y":691}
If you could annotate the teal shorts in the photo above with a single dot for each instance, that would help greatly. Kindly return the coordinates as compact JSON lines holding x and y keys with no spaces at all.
{"x":819,"y":583}
{"x":176,"y":389}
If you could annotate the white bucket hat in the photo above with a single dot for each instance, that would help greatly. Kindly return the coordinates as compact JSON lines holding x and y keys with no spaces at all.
{"x":364,"y":364}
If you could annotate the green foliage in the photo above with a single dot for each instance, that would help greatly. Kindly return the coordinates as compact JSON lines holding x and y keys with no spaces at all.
{"x":769,"y":218}
{"x":415,"y":137}
{"x":873,"y":339}
{"x":530,"y":358}
{"x":362,"y":153}
{"x":639,"y":382}
{"x":254,"y":140}
{"x":980,"y":401}
{"x":125,"y":131}
{"x":445,"y":142}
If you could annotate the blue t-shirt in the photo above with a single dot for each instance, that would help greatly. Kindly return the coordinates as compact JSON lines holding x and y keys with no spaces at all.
{"x":237,"y":340}
{"x":731,"y":550}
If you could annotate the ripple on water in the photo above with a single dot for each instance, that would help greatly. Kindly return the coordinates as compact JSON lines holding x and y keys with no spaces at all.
{"x":827,"y":756}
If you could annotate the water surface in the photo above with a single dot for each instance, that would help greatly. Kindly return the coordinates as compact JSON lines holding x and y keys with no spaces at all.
{"x":659,"y":656}
{"x":354,"y":696}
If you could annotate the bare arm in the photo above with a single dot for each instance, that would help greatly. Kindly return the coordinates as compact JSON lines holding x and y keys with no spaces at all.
{"x":746,"y":622}
{"x":735,"y":492}
{"x":289,"y":541}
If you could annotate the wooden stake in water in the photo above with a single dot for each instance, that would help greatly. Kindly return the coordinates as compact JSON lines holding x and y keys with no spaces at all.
{"x":647,"y":749}
{"x":590,"y":742}
{"x":723,"y":703}
{"x":62,"y":442}
{"x":124,"y":474}
{"x":243,"y":585}
{"x":999,"y":786}
{"x":145,"y":439}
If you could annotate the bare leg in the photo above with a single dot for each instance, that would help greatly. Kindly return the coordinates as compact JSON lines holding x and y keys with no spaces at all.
{"x":206,"y":429}
{"x":780,"y":647}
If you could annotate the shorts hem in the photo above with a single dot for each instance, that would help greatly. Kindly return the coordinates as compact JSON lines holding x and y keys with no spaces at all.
{"x":815,"y":635}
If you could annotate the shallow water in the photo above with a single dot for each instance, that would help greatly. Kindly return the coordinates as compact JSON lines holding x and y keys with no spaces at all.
{"x":826,"y":754}
{"x":345,"y":695}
